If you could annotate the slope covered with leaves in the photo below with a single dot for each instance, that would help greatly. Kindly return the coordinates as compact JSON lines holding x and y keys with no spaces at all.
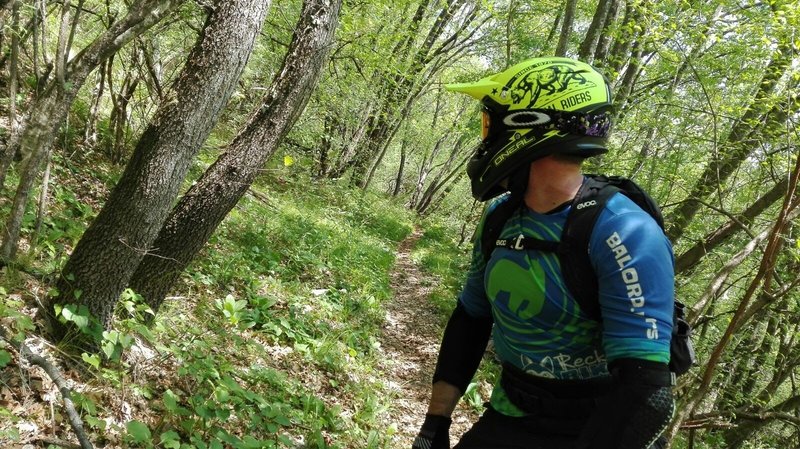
{"x":292,"y":330}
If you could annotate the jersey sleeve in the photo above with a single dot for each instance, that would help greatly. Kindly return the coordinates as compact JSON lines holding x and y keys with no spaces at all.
{"x":633,"y":260}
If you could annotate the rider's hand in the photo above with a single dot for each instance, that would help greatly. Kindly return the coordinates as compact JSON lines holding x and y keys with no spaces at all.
{"x":434,"y":434}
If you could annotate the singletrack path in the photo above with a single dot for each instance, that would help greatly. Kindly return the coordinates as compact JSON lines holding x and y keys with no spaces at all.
{"x":410,"y":343}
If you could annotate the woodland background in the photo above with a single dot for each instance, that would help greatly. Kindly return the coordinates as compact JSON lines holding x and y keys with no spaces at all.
{"x":201,"y":203}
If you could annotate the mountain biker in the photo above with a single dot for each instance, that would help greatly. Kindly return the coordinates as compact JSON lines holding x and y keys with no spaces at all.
{"x":568,"y":381}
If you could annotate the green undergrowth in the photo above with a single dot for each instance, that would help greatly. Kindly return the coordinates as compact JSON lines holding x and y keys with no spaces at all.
{"x":276,"y":342}
{"x":438,"y":252}
{"x":271,"y":338}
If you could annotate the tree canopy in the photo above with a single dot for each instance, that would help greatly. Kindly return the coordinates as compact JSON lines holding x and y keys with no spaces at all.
{"x":137,"y":138}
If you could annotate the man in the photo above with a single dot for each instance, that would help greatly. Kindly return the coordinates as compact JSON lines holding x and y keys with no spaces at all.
{"x":568,"y":381}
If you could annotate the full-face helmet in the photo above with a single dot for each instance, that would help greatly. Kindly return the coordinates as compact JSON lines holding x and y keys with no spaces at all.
{"x":536,"y":108}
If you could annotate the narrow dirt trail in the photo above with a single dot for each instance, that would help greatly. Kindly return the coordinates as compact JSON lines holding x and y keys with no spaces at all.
{"x":410,"y":342}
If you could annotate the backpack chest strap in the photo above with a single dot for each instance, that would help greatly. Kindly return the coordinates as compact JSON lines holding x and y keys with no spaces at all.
{"x":523,"y":243}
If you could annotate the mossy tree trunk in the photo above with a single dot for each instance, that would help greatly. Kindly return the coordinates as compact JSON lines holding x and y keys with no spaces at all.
{"x":49,"y":111}
{"x":122,"y":234}
{"x":566,"y":27}
{"x":205,"y":205}
{"x":586,"y":50}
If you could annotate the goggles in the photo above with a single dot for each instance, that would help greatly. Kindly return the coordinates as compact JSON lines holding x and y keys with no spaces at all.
{"x":577,"y":123}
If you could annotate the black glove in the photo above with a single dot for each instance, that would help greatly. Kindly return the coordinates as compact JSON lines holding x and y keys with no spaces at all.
{"x":434,"y":434}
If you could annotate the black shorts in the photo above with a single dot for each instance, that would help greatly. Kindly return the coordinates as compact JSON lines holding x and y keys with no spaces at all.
{"x":497,"y":431}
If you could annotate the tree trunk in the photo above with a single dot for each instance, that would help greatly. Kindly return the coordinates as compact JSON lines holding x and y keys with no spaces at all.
{"x":445,"y":179}
{"x":38,"y":135}
{"x":404,"y":87}
{"x":204,"y":206}
{"x":625,"y":86}
{"x":509,"y":29}
{"x":586,"y":51}
{"x":90,"y":132}
{"x":119,"y":118}
{"x":604,"y":39}
{"x":762,"y":282}
{"x":325,"y":145}
{"x":620,"y":49}
{"x":348,"y":153}
{"x":41,"y":210}
{"x":693,"y":255}
{"x":7,"y":154}
{"x":398,"y":180}
{"x":112,"y":247}
{"x":566,"y":27}
{"x":46,"y":115}
{"x":736,"y":148}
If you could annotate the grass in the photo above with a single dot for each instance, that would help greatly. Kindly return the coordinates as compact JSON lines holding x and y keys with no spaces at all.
{"x":271,"y":339}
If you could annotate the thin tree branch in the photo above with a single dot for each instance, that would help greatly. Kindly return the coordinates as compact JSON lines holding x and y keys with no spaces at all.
{"x":74,"y":418}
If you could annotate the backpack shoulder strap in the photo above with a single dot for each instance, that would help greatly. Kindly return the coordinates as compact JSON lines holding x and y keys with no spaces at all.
{"x":493,"y":225}
{"x":573,"y":252}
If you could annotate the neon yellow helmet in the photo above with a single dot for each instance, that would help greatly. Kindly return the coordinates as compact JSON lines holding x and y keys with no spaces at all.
{"x":536,"y":108}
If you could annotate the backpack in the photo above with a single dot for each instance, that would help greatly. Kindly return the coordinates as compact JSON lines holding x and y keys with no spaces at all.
{"x":572,"y":251}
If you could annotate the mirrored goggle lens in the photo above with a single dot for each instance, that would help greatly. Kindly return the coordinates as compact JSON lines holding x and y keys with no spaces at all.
{"x":582,"y":124}
{"x":486,"y":122}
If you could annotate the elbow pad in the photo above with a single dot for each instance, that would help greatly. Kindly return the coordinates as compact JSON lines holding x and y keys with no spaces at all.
{"x":463,"y":344}
{"x":637,"y":410}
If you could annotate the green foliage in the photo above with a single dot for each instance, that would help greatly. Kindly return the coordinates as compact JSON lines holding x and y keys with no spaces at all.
{"x":308,"y":282}
{"x":304,"y":269}
{"x":437,"y":251}
{"x":12,"y":309}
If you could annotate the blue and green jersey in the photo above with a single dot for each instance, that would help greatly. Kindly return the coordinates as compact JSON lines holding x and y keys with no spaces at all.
{"x":539,"y":326}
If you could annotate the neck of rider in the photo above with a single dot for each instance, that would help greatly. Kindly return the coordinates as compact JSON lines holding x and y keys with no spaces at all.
{"x":552,"y":182}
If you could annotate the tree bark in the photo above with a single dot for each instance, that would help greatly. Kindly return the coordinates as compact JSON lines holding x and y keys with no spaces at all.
{"x":41,"y":210}
{"x":112,"y":247}
{"x":398,"y":180}
{"x":7,"y":154}
{"x":632,"y":70}
{"x":604,"y":40}
{"x":566,"y":27}
{"x":445,"y":178}
{"x":204,"y":206}
{"x":621,"y":47}
{"x":509,"y":27}
{"x":586,"y":50}
{"x":119,"y":118}
{"x":46,"y":115}
{"x":90,"y":131}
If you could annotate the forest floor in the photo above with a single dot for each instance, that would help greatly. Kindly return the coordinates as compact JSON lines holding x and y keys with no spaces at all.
{"x":410,"y":343}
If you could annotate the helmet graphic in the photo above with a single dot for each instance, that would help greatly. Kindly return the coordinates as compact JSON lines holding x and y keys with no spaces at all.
{"x":536,"y":108}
